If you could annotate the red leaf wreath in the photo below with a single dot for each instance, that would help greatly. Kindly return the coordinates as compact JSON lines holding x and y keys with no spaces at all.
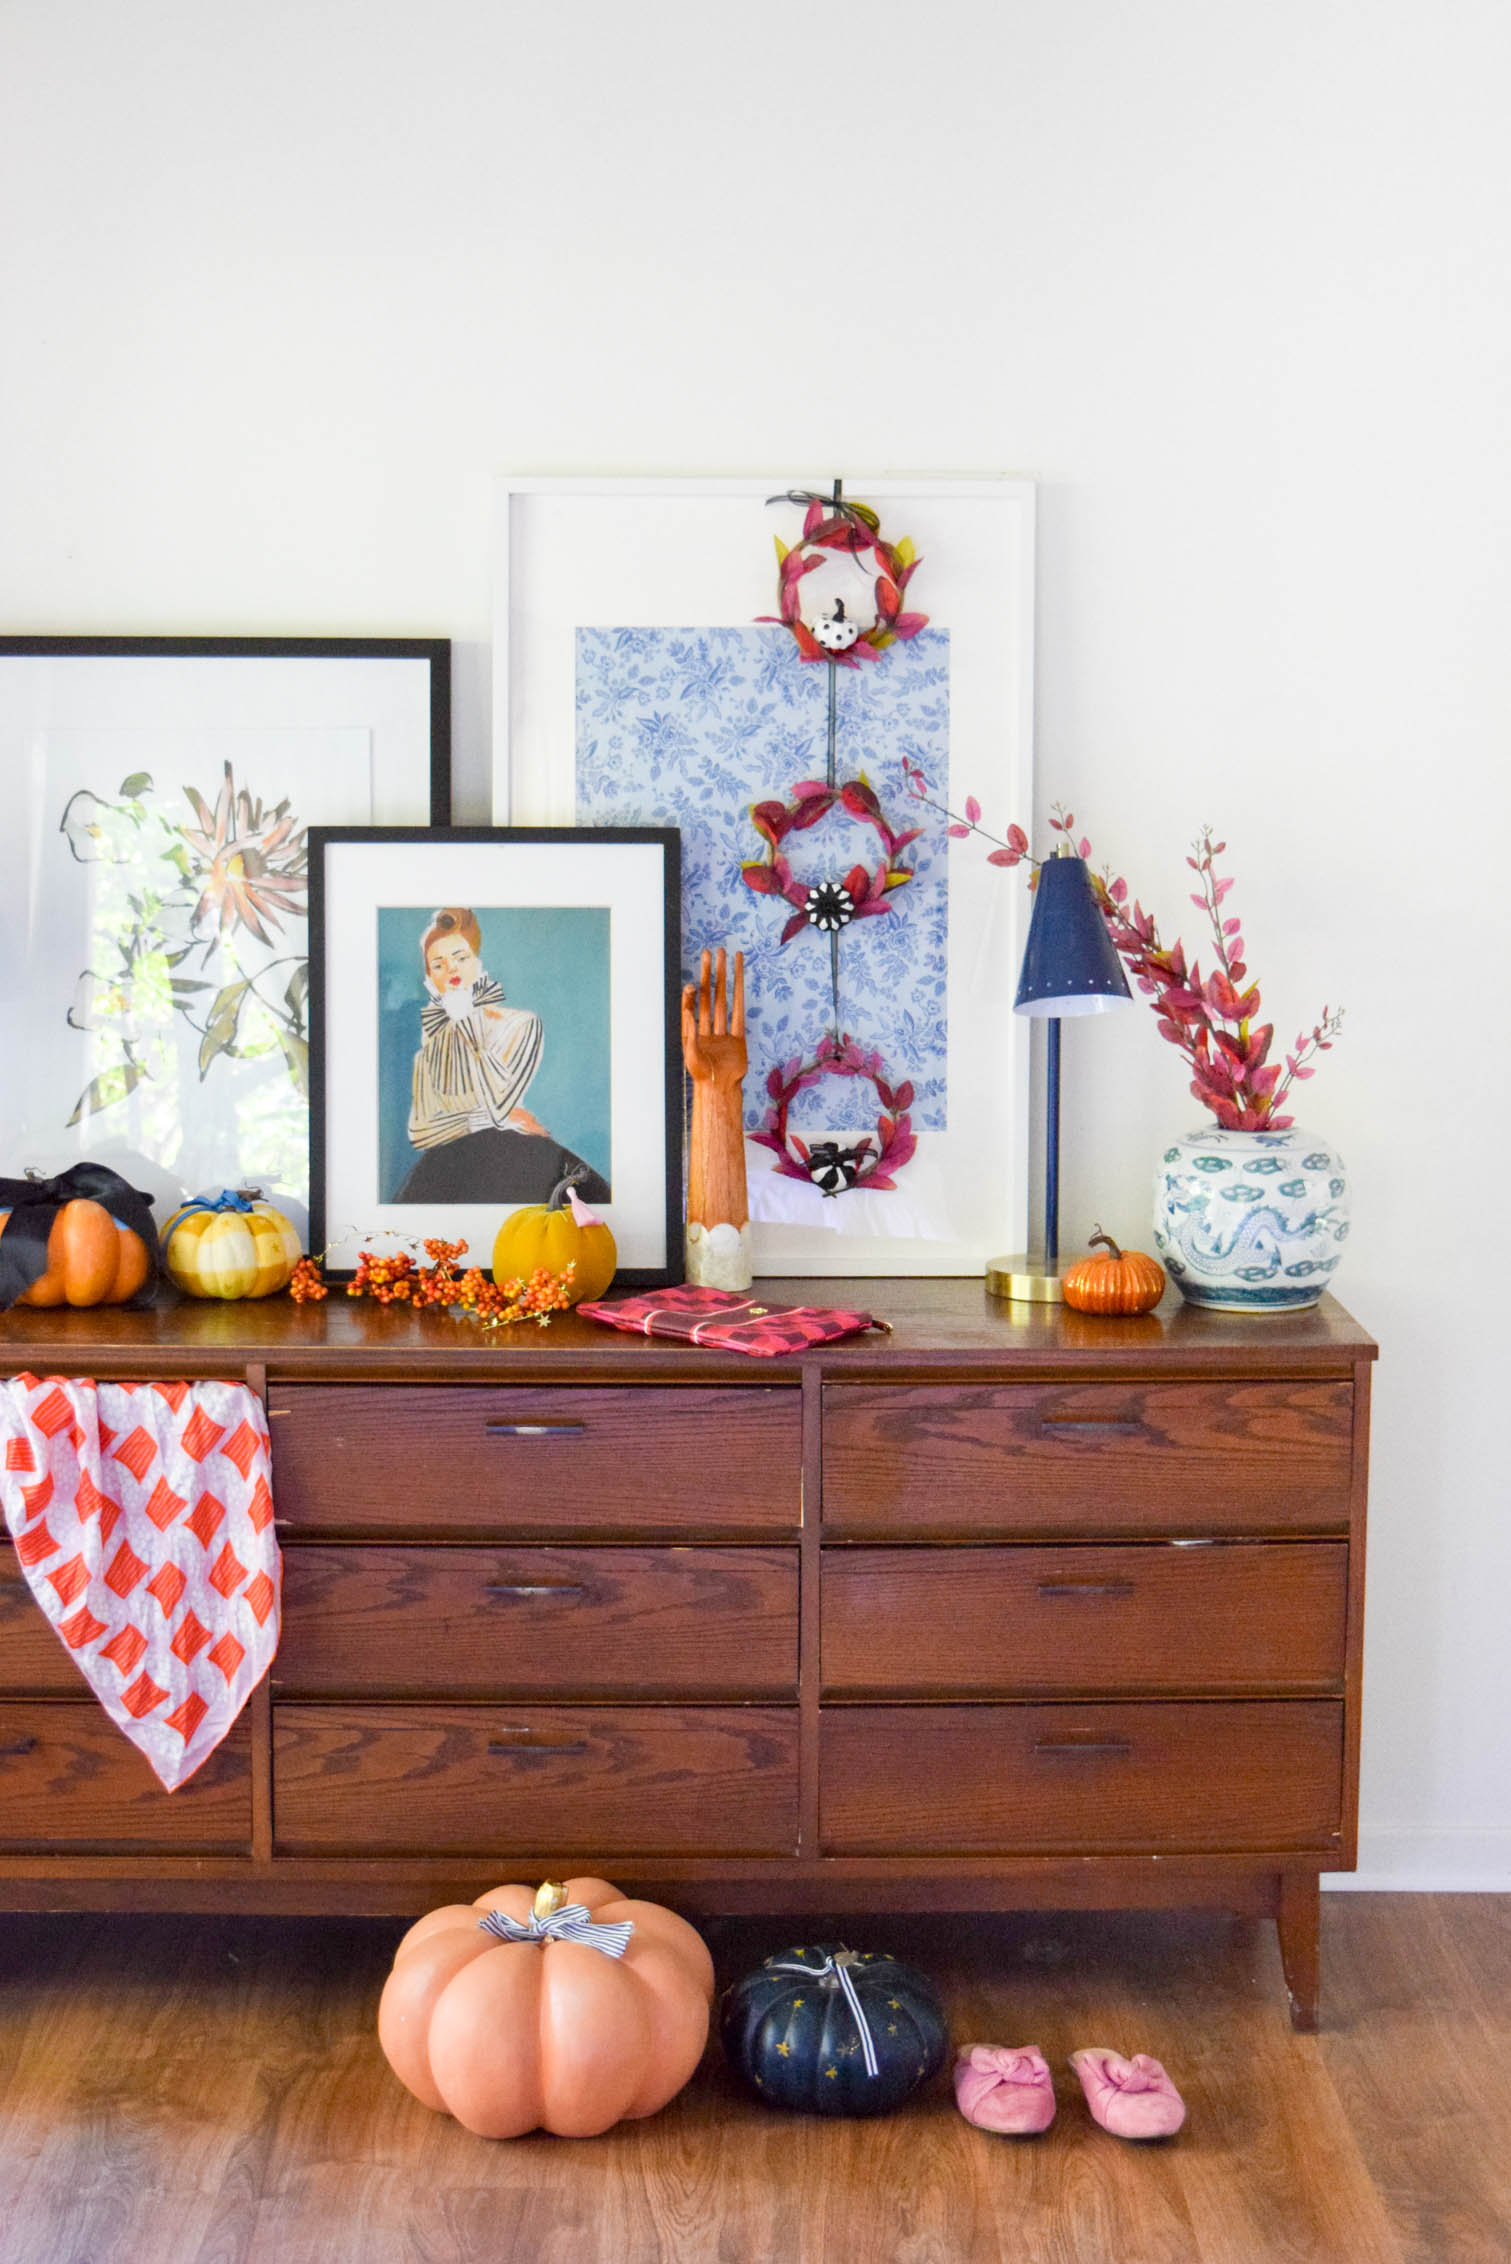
{"x":856,"y":529}
{"x":839,"y":1057}
{"x":772,"y":875}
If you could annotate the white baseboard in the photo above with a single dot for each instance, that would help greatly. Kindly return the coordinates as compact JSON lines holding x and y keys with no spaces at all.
{"x":1412,"y":1860}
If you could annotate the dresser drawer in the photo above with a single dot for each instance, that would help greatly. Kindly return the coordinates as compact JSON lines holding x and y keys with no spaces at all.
{"x":693,"y":1623}
{"x":1141,"y":1617}
{"x":70,"y":1781}
{"x":525,"y":1463}
{"x":549,"y":1781}
{"x":1118,"y":1458}
{"x":975,"y":1780}
{"x":32,"y":1657}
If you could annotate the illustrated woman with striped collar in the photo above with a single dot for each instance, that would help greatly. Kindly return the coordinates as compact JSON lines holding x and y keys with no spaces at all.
{"x":476,"y":1060}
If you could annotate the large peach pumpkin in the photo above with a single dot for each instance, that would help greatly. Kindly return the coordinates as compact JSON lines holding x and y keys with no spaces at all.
{"x":553,"y":2035}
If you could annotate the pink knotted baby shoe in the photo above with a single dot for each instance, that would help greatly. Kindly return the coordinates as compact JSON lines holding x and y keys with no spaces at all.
{"x":999,"y":2088}
{"x":1131,"y":2098}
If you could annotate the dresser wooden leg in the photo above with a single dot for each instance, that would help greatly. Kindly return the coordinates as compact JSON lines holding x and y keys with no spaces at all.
{"x":1298,"y":1921}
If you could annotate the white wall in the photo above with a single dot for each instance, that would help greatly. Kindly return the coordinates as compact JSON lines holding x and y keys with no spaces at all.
{"x":283,"y":285}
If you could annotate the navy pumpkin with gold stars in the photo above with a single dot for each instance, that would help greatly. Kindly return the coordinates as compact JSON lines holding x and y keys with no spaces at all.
{"x":833,"y":2031}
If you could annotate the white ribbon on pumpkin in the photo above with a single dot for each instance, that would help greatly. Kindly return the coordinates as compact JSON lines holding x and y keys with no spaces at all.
{"x":841,"y":1973}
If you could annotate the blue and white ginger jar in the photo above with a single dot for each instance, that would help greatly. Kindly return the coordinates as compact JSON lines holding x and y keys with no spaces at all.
{"x":1251,"y":1222}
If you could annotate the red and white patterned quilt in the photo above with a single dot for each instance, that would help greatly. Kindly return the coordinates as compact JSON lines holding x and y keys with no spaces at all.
{"x":142,"y":1515}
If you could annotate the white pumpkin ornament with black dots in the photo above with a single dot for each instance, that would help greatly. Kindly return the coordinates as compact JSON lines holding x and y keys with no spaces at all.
{"x":834,"y":632}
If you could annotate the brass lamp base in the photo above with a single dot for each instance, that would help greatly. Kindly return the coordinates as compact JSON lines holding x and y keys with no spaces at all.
{"x":1028,"y":1281}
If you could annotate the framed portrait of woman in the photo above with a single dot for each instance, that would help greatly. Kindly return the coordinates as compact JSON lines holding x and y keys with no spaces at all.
{"x":493,"y":1018}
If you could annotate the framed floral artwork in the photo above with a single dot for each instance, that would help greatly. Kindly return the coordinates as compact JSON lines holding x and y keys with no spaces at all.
{"x":786,"y":671}
{"x":493,"y":1017}
{"x":153,"y":873}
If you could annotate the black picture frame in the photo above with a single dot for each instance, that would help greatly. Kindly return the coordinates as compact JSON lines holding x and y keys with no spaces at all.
{"x":373,"y":889}
{"x":435,"y":652}
{"x":179,"y":1095}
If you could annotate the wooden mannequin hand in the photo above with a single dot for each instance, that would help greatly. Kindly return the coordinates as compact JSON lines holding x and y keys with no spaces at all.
{"x":713,"y":1047}
{"x":713,"y":1029}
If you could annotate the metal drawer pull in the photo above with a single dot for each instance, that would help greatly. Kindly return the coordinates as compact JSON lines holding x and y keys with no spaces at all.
{"x":20,"y":1746}
{"x":535,"y":1430}
{"x":1075,"y":1746}
{"x":1077,"y":1426}
{"x":533,"y":1588}
{"x":1085,"y":1587}
{"x":526,"y":1741}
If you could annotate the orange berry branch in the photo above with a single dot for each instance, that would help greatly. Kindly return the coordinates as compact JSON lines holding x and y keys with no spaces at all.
{"x":398,"y":1280}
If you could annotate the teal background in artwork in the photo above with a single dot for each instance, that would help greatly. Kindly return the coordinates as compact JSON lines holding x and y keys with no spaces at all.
{"x":554,"y":960}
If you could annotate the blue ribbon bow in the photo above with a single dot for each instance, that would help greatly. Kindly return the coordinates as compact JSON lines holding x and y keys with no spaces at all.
{"x":230,"y":1199}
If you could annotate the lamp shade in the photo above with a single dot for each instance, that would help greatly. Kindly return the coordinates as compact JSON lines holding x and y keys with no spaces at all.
{"x":1071,"y":965}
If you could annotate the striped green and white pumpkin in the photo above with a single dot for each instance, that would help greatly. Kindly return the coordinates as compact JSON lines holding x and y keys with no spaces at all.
{"x":230,"y":1245}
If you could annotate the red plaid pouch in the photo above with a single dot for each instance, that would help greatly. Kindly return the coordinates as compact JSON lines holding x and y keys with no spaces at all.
{"x":725,"y":1322}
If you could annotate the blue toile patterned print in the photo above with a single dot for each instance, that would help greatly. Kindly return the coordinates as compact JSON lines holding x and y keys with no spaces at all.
{"x":688,"y":727}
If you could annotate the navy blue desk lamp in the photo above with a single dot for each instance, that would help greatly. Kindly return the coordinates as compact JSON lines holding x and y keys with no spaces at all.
{"x":1070,"y":966}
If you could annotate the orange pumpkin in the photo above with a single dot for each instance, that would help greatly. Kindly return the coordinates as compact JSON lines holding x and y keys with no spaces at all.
{"x":1121,"y":1281}
{"x":546,"y":2034}
{"x":91,"y":1259}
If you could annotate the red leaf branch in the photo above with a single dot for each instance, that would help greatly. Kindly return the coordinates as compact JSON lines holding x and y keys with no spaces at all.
{"x":1213,"y":1019}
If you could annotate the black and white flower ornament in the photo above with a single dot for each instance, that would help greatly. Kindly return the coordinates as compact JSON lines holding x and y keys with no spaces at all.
{"x":829,"y":907}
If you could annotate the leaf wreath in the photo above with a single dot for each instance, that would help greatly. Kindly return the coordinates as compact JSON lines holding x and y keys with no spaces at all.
{"x":854,"y":528}
{"x":870,"y":891}
{"x":838,"y":1170}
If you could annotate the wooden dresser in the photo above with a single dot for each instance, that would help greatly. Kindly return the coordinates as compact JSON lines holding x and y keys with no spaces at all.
{"x":1011,"y":1608}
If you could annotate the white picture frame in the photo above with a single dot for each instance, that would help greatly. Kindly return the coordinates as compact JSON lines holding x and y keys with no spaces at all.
{"x":582,"y":554}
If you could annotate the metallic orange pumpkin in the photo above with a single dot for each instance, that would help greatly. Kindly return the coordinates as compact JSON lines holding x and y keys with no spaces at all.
{"x":1122,"y":1281}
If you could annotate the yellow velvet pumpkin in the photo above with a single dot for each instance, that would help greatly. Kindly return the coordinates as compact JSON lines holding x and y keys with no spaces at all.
{"x":234,"y":1245}
{"x":558,"y":1234}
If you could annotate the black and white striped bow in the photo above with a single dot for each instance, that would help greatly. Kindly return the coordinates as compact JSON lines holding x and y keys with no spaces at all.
{"x":572,"y":1923}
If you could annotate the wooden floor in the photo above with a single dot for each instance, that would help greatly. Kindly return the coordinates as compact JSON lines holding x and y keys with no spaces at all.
{"x":211,"y":2092}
